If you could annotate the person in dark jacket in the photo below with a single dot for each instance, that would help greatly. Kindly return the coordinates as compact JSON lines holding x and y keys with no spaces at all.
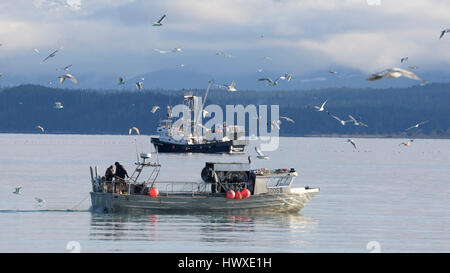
{"x":120,"y":171}
{"x":109,"y":175}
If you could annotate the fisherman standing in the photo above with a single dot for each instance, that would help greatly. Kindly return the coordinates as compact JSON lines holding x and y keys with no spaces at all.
{"x":120,"y":171}
{"x":109,"y":175}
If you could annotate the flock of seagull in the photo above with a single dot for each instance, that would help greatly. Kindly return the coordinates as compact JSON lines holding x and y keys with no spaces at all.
{"x":353,"y":120}
{"x":394,"y":72}
{"x":360,"y":123}
{"x":40,"y":201}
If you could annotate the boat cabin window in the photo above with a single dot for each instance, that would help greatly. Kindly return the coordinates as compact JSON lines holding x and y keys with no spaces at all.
{"x":282,"y":181}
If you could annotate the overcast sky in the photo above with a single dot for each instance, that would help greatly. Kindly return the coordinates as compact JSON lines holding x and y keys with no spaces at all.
{"x":116,"y":37}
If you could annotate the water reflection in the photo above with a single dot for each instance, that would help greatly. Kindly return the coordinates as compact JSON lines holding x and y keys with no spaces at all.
{"x":123,"y":227}
{"x":199,"y":227}
{"x":223,"y":228}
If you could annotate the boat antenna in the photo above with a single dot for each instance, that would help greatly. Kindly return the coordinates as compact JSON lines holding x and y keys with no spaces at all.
{"x":207,"y":91}
{"x":157,"y":154}
{"x":137,"y":156}
{"x":204,"y":101}
{"x":170,"y":96}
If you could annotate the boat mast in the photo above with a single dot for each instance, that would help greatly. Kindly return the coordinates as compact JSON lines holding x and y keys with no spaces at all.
{"x":196,"y":121}
{"x":207,"y":91}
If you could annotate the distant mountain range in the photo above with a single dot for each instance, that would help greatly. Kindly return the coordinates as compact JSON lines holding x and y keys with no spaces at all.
{"x":186,"y":78}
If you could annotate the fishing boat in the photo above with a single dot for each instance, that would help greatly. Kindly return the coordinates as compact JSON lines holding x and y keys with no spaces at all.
{"x":176,"y":140}
{"x":224,"y":187}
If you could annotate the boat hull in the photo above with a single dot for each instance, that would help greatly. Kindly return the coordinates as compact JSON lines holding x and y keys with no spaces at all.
{"x":266,"y":203}
{"x":231,"y":146}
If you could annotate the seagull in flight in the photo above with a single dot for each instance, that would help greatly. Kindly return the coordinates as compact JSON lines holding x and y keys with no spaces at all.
{"x":332,"y":72}
{"x":406,"y":144}
{"x":260,"y":154}
{"x":270,"y":81}
{"x":405,"y":59}
{"x":357,"y":123}
{"x":413,"y":67}
{"x":17,"y":191}
{"x":139,"y":85}
{"x":353,"y":143}
{"x":343,"y":122}
{"x":275,"y":123}
{"x":321,"y":108}
{"x":288,"y":119}
{"x":162,"y":51}
{"x":133,"y":129}
{"x":159,"y":23}
{"x":393,"y":73}
{"x":416,"y":126}
{"x":224,"y":54}
{"x":58,"y":105}
{"x":154,"y":109}
{"x":447,"y":30}
{"x":286,"y":76}
{"x":50,"y":56}
{"x":175,"y":50}
{"x":67,"y":76}
{"x":40,"y":128}
{"x":230,"y":87}
{"x":40,"y":200}
{"x":65,"y":68}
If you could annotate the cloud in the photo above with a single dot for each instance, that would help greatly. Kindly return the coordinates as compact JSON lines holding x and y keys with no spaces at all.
{"x":21,"y":36}
{"x":299,"y":35}
{"x":370,"y":51}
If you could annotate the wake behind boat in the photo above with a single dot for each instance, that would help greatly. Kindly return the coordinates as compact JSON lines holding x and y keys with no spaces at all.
{"x":225,"y":187}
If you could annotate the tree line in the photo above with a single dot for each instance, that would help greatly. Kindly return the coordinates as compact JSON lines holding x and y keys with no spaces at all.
{"x":385,"y":111}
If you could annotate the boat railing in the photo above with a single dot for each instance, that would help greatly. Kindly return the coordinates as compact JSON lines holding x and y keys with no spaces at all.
{"x":128,"y":186}
{"x":172,"y":187}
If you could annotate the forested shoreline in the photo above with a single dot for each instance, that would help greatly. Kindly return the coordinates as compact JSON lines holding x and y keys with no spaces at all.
{"x":387,"y":112}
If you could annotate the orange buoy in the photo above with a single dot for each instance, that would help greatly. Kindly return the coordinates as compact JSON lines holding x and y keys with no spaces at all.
{"x":238,"y":195}
{"x":230,"y":194}
{"x":245,"y":193}
{"x":153,"y":192}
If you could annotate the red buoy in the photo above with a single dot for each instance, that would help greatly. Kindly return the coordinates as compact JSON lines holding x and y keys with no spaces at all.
{"x":245,"y":193}
{"x":230,"y":194}
{"x":238,"y":195}
{"x":153,"y":192}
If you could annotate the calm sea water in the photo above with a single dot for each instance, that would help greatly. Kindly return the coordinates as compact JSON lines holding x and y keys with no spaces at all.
{"x":386,"y":198}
